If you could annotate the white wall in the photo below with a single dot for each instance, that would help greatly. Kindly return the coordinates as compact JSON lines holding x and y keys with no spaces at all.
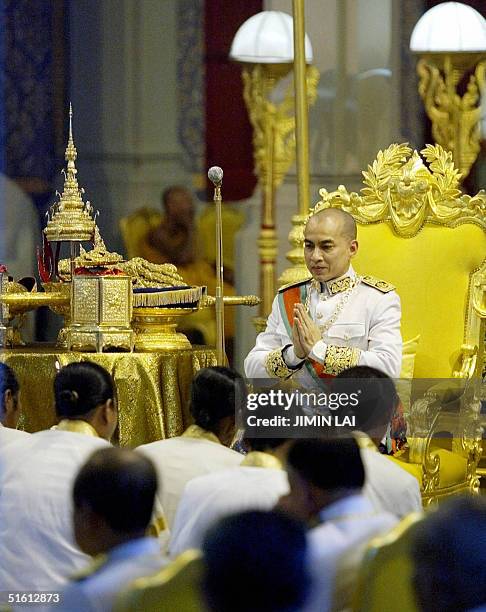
{"x":123,"y":89}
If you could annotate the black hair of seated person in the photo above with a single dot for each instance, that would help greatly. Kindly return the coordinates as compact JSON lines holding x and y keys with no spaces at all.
{"x":378,"y":396}
{"x":332,"y":465}
{"x":80,"y":387}
{"x":264,"y":444}
{"x":8,"y":382}
{"x":118,"y":485}
{"x":449,"y":557}
{"x":216,"y":393}
{"x":255,"y":561}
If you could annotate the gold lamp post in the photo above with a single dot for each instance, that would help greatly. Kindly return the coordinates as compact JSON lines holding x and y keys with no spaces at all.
{"x":264,"y":45}
{"x":450,"y":39}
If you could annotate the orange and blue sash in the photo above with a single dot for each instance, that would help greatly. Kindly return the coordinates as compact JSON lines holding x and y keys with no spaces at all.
{"x":287,"y":299}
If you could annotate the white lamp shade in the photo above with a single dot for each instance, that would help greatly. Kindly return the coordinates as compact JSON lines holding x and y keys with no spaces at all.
{"x":449,"y":27}
{"x":267,"y":38}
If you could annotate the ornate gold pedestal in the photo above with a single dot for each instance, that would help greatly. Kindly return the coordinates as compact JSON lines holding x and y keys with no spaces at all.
{"x":155,"y":329}
{"x":63,"y":309}
{"x":101,"y":310}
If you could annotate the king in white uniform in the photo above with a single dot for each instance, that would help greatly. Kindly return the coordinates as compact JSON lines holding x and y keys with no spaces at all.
{"x":334,"y":319}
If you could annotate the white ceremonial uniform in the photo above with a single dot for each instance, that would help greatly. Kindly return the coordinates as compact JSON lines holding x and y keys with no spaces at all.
{"x":37,"y":545}
{"x":208,"y":498}
{"x":389,"y":487}
{"x":178,"y":460}
{"x":98,"y":590}
{"x":336,"y":548}
{"x":9,"y":435}
{"x":365,"y":330}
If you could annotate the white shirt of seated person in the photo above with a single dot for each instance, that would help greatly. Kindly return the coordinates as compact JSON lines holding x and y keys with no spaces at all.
{"x":351,"y":320}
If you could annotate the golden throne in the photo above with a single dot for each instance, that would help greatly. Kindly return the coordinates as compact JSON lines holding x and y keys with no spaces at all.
{"x":417,"y":231}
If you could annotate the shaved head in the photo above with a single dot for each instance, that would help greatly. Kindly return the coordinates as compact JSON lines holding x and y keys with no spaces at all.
{"x":329,"y":243}
{"x":347,"y":223}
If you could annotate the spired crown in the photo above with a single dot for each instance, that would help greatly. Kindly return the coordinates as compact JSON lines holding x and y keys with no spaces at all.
{"x":70,"y":219}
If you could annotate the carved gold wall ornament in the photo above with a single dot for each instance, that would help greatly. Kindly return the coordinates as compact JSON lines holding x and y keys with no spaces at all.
{"x":455,"y":117}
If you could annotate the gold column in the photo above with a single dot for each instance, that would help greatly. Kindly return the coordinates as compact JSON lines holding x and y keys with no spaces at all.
{"x":296,"y":238}
{"x":455,"y":117}
{"x":274,"y":151}
{"x":301,"y":108}
{"x":267,"y":242}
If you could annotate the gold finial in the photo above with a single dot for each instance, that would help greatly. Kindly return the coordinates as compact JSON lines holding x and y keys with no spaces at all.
{"x":71,"y":219}
{"x":71,"y":153}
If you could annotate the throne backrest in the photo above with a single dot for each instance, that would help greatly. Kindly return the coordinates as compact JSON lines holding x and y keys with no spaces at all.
{"x":416,"y":231}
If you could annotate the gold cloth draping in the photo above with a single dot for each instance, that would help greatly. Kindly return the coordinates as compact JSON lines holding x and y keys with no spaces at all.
{"x":153,"y":388}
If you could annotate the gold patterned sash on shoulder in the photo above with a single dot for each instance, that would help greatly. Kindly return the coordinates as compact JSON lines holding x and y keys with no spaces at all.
{"x":198,"y":433}
{"x":76,"y":426}
{"x":261,"y":459}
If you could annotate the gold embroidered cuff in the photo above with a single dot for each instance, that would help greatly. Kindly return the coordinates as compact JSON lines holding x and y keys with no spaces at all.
{"x":339,"y":358}
{"x":276,"y":366}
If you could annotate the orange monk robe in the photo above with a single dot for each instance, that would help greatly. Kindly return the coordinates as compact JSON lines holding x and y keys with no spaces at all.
{"x":182,"y":248}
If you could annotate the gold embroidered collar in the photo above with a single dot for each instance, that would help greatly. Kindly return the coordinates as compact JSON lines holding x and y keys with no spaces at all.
{"x":77,"y":426}
{"x":194,"y":431}
{"x":337,"y":285}
{"x":263,"y":460}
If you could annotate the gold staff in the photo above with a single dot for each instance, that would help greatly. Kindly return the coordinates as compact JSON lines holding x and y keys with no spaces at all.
{"x":305,"y":84}
{"x":301,"y":108}
{"x":215,"y":175}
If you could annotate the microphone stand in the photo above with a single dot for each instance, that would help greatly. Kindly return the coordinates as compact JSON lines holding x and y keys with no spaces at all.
{"x":219,"y":304}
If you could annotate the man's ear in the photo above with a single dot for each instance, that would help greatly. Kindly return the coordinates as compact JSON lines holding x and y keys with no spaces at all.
{"x":353,"y":247}
{"x":109,"y":411}
{"x":8,"y":402}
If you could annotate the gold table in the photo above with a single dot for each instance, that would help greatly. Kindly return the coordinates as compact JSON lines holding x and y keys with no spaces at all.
{"x":153,"y":388}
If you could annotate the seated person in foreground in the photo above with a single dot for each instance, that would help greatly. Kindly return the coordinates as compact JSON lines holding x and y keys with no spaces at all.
{"x":10,"y":407}
{"x":113,"y":497}
{"x":332,"y":320}
{"x":449,"y":555}
{"x":36,"y":540}
{"x":255,"y":561}
{"x":256,"y":484}
{"x":204,"y":446}
{"x":326,"y":480}
{"x":388,"y":486}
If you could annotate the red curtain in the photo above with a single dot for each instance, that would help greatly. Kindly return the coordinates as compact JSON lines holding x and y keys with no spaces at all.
{"x":228,"y":130}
